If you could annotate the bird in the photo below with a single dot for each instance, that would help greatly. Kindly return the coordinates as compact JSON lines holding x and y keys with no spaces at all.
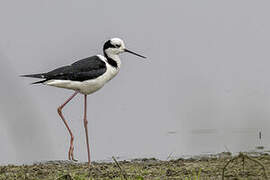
{"x":85,"y":77}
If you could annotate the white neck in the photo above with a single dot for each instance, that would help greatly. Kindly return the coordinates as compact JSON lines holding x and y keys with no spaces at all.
{"x":116,"y":58}
{"x":112,"y":58}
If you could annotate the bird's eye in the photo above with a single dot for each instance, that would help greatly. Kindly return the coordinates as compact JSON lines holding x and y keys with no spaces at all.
{"x":117,"y":45}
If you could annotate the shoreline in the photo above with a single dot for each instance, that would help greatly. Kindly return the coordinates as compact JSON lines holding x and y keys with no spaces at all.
{"x":204,"y":167}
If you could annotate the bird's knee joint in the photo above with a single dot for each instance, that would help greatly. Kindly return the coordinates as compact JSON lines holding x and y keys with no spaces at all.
{"x":59,"y":110}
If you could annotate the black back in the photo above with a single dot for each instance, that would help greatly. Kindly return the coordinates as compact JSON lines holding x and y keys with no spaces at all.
{"x":85,"y":69}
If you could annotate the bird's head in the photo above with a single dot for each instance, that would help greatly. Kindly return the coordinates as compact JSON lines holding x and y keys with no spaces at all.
{"x":116,"y":46}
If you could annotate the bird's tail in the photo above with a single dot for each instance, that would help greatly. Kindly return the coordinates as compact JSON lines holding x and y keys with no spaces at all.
{"x":36,"y":76}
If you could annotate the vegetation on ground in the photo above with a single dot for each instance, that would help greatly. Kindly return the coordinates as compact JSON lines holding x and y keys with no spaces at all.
{"x":200,"y":168}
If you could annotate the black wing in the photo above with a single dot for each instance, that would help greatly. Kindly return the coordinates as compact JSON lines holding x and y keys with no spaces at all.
{"x":85,"y":69}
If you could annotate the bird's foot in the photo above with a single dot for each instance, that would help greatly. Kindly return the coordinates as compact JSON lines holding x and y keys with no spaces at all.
{"x":75,"y":160}
{"x":71,"y":155}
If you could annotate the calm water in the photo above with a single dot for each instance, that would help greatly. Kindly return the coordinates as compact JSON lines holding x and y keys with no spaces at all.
{"x":208,"y":141}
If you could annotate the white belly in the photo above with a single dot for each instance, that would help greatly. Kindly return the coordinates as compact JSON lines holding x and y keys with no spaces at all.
{"x":87,"y":86}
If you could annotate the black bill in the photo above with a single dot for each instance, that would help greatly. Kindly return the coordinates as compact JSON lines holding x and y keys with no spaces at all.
{"x":126,"y":50}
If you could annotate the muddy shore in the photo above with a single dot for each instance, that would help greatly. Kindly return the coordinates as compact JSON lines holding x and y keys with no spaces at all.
{"x":204,"y":167}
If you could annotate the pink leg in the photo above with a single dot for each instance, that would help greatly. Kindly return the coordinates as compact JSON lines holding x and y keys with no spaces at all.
{"x":59,"y":110}
{"x":86,"y":129}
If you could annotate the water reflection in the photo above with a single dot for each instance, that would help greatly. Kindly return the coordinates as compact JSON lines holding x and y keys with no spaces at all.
{"x":204,"y":131}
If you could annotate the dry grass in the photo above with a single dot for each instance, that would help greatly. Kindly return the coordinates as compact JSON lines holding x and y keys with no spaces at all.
{"x":209,"y":168}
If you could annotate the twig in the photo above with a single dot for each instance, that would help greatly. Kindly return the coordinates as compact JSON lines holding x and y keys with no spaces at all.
{"x":241,"y":155}
{"x":169,"y":156}
{"x":223,"y":171}
{"x":243,"y":163}
{"x":66,"y":176}
{"x":94,"y":168}
{"x":227,"y":149}
{"x":123,"y":173}
{"x":258,"y":162}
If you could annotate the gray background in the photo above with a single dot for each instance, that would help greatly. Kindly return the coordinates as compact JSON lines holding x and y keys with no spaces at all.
{"x":205,"y":86}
